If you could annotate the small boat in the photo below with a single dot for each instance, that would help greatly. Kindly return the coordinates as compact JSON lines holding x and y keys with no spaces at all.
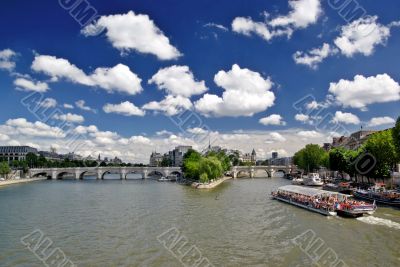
{"x":386,"y":197}
{"x":313,"y":179}
{"x":304,"y":197}
{"x":164,"y":179}
{"x":343,"y":188}
{"x":297,"y":181}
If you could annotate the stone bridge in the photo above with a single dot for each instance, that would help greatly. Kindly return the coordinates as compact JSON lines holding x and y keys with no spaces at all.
{"x":79,"y":172}
{"x":269,"y":170}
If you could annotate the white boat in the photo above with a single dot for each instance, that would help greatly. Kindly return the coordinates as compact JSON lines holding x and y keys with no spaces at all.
{"x":297,"y":181}
{"x":313,"y":179}
{"x":164,"y":179}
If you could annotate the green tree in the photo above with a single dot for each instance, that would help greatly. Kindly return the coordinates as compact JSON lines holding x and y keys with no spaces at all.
{"x":204,"y":178}
{"x":31,"y":159}
{"x":382,"y":146}
{"x":396,"y":138}
{"x":311,"y":158}
{"x":4,"y":169}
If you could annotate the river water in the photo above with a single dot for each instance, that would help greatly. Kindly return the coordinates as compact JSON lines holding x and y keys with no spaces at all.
{"x":124,"y":223}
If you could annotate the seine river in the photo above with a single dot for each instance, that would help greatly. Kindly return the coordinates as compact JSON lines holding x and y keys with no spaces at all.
{"x":128,"y":223}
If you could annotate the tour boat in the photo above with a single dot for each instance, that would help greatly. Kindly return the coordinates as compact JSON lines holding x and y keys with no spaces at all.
{"x":343,"y":188}
{"x":313,"y":179}
{"x":386,"y":197}
{"x":301,"y":197}
{"x":323,"y":202}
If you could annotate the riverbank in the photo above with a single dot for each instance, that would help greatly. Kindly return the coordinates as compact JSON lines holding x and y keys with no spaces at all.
{"x":20,"y":181}
{"x":210,"y":185}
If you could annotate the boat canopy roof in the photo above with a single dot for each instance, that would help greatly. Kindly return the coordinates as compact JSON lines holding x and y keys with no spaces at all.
{"x":307,"y":191}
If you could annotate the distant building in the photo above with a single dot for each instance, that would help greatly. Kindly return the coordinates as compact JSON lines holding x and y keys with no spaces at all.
{"x":327,"y":146}
{"x":248,"y":157}
{"x":274,"y":155}
{"x":155,"y":159}
{"x":353,"y":142}
{"x":52,"y":156}
{"x":176,"y":156}
{"x":285,"y":161}
{"x":10,"y":153}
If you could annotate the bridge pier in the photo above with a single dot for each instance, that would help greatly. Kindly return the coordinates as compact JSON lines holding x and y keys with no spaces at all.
{"x":54,"y":175}
{"x":144,"y":174}
{"x":123,"y":174}
{"x":251,"y":173}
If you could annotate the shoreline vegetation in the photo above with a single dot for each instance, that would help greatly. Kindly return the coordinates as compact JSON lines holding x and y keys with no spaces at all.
{"x":20,"y":181}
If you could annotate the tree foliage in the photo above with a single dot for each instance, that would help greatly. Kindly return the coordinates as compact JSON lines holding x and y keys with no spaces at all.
{"x":311,"y":158}
{"x":396,"y":138}
{"x":4,"y":169}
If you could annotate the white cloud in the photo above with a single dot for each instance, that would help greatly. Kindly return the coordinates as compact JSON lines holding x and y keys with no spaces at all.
{"x":346,"y":118}
{"x":86,"y":129}
{"x":4,"y":137}
{"x":302,"y":117}
{"x":37,"y":129}
{"x":178,"y":80}
{"x":117,"y":79}
{"x":131,"y":31}
{"x":361,"y":36}
{"x":48,"y":103}
{"x":381,"y":121}
{"x":302,"y":14}
{"x":7,"y":57}
{"x":247,"y":26}
{"x":28,"y":85}
{"x":140,"y":140}
{"x":82,"y":105}
{"x":245,"y":93}
{"x":274,"y":119}
{"x":125,"y":108}
{"x":197,"y":131}
{"x":218,"y":26}
{"x":171,"y":105}
{"x":68,"y":106}
{"x":363,"y":91}
{"x":309,"y":134}
{"x":69,"y":117}
{"x":313,"y":105}
{"x":274,"y":137}
{"x":315,"y":56}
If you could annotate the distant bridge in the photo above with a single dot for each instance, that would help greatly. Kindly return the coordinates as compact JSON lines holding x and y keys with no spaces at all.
{"x":269,"y":170}
{"x":99,"y":172}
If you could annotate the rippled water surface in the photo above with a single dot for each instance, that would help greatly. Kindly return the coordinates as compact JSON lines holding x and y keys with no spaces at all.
{"x":116,"y":223}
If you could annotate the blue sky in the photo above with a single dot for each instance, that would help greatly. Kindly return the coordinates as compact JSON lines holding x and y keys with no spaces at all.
{"x":251,"y":45}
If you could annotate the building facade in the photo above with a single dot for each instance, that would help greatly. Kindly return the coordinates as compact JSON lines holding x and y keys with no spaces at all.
{"x":156,"y":159}
{"x":352,"y":142}
{"x":248,"y":157}
{"x":10,"y":153}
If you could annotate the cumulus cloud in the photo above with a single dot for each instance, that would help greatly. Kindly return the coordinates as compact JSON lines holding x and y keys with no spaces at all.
{"x":361,"y":36}
{"x":37,"y":129}
{"x":81,"y":104}
{"x":346,"y":118}
{"x":315,"y":56}
{"x":29,"y":85}
{"x":69,"y":117}
{"x":130,"y":31}
{"x":362,"y":91}
{"x":7,"y":59}
{"x":245,"y":93}
{"x":378,"y":121}
{"x":274,"y":119}
{"x":302,"y":14}
{"x":4,"y":137}
{"x":117,"y":79}
{"x":125,"y":108}
{"x":274,"y":137}
{"x":302,"y":117}
{"x":48,"y":103}
{"x":68,"y":106}
{"x":178,"y":81}
{"x":309,"y":134}
{"x":171,"y":105}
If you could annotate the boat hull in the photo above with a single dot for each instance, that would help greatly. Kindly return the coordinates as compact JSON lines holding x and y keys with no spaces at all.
{"x":378,"y":200}
{"x":323,"y":212}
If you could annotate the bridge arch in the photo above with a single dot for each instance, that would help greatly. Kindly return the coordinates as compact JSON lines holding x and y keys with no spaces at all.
{"x":60,"y":175}
{"x":40,"y":174}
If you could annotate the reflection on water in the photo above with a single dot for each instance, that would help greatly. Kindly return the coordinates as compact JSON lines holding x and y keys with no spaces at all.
{"x":116,"y":223}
